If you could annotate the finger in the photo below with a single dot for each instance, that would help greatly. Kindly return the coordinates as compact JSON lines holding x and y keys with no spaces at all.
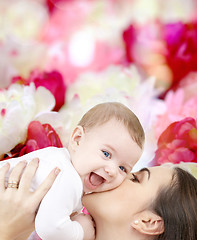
{"x":45,"y":186}
{"x":15,"y":175}
{"x":3,"y":171}
{"x":28,"y":175}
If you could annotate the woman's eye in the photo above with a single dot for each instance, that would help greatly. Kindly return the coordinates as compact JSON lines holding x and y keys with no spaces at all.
{"x":107,"y":155}
{"x":135,"y":178}
{"x":123,"y":168}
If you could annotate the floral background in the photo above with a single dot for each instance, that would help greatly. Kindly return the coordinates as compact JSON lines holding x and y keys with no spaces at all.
{"x":58,"y":58}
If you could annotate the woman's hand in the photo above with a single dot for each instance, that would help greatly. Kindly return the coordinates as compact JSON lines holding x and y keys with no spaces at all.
{"x":18,"y":205}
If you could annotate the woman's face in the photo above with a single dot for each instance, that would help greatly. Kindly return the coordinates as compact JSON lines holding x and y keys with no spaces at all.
{"x":132,"y":196}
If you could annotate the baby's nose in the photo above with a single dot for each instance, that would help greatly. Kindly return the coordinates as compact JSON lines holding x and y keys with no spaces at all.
{"x":111,"y":171}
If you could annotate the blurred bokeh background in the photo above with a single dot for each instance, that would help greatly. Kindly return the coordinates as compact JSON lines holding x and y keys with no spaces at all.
{"x":58,"y":58}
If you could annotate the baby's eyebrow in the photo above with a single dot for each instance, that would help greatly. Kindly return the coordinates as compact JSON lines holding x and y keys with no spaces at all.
{"x":147,"y":170}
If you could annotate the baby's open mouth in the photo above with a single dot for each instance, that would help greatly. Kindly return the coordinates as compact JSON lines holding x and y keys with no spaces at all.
{"x":95,"y":179}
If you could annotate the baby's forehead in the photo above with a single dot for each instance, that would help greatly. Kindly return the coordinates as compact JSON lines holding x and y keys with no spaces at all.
{"x":112,"y":122}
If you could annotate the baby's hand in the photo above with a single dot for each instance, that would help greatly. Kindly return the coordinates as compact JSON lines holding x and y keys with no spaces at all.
{"x":87,"y":224}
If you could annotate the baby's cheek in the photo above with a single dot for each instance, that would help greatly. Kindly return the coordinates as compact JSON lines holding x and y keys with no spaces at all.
{"x":121,"y":180}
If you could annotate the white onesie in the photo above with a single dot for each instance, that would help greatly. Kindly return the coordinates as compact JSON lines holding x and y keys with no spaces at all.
{"x":53,"y":218}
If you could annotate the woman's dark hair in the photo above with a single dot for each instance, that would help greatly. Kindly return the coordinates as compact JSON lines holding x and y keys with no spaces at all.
{"x":177,"y":205}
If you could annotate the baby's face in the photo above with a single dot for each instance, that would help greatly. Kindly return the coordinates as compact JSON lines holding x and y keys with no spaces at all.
{"x":104,"y":156}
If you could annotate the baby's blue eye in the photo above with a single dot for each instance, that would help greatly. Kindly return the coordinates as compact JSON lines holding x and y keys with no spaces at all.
{"x":107,"y":154}
{"x":123,"y":168}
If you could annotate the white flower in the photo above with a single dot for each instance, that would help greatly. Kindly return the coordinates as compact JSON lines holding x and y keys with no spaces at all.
{"x":19,"y":105}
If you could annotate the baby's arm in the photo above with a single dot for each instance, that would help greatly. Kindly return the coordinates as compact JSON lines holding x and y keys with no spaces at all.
{"x":87,"y":224}
{"x":53,"y":218}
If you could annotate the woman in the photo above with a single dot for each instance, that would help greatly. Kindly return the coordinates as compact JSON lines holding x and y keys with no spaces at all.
{"x":157,"y":203}
{"x":18,"y":205}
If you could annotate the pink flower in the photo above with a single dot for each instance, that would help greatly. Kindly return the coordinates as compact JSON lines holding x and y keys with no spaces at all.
{"x":178,"y":104}
{"x":145,"y":47}
{"x":38,"y":136}
{"x":181,"y":46}
{"x":53,"y":81}
{"x":167,"y":51}
{"x":178,"y":143}
{"x":143,"y":40}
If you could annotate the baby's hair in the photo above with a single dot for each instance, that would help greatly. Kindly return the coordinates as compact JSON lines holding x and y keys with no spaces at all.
{"x":104,"y":112}
{"x":177,"y":205}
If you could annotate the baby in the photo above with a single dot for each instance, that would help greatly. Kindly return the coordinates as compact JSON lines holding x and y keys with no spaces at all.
{"x":102,"y":150}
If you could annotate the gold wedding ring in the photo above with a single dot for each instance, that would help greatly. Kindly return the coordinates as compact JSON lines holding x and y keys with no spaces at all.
{"x":12,"y":184}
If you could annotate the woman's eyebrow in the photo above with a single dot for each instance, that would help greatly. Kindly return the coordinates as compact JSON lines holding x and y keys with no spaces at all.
{"x":146,"y":170}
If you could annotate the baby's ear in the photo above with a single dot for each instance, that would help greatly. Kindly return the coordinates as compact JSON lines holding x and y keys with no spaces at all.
{"x":75,"y":138}
{"x":148,"y":223}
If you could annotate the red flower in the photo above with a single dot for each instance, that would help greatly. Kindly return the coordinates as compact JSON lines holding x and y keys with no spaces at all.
{"x":38,"y":136}
{"x":181,"y":47}
{"x":53,"y":81}
{"x":178,"y":143}
{"x":52,"y":4}
{"x":129,"y":37}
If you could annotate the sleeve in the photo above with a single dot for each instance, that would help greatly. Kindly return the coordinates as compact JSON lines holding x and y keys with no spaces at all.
{"x":53,"y":217}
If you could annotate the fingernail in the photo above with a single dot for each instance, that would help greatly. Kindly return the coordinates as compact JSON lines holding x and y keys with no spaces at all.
{"x":24,"y":162}
{"x":57,"y":171}
{"x":36,"y":160}
{"x":6,"y":165}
